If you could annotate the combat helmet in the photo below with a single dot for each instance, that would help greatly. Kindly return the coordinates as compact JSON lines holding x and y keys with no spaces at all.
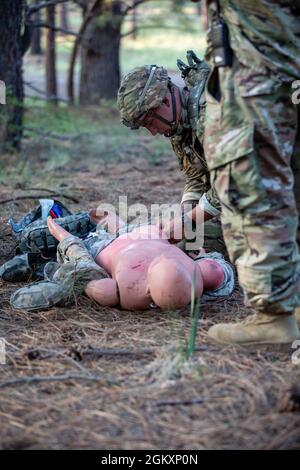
{"x":141,"y":90}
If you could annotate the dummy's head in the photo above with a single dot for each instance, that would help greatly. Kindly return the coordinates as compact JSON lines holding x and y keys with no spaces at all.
{"x":148,"y":98}
{"x":169,"y":283}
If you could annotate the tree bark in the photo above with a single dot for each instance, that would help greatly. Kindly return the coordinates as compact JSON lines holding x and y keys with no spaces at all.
{"x":203,"y":15}
{"x":134,"y":23}
{"x":100,"y":70}
{"x":11,"y":114}
{"x":51,"y":82}
{"x":36,"y":47}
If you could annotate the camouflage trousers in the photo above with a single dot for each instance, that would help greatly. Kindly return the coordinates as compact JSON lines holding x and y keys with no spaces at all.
{"x":252,"y":146}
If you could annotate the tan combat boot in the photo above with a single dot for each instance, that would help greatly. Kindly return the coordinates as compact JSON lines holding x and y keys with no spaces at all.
{"x":257,"y":329}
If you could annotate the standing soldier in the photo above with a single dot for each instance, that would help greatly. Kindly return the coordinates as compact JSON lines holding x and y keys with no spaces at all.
{"x":252,"y":147}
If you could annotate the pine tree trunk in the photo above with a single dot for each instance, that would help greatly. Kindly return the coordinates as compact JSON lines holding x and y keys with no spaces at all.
{"x":36,"y":47}
{"x":11,"y":114}
{"x":100,"y":70}
{"x":64,"y":20}
{"x":51,"y":82}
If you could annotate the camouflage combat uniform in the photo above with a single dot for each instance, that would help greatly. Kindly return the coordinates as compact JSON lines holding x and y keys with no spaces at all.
{"x":187,"y":142}
{"x":252,"y":146}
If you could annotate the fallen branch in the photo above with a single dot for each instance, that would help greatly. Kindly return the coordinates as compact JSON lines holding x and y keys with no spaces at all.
{"x":33,"y":354}
{"x":48,"y":134}
{"x":46,"y":190}
{"x":56,"y":378}
{"x":95,"y":352}
{"x":194,"y":401}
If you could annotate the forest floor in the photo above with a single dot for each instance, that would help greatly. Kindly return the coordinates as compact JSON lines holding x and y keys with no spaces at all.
{"x":100,"y":378}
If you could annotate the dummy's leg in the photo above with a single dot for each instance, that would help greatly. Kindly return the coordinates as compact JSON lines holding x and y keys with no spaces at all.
{"x":38,"y":245}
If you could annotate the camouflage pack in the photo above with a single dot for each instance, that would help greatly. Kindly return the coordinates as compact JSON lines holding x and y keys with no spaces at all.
{"x":36,"y":245}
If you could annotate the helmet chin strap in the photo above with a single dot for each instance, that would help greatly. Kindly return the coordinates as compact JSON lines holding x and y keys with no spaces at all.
{"x":172,"y":123}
